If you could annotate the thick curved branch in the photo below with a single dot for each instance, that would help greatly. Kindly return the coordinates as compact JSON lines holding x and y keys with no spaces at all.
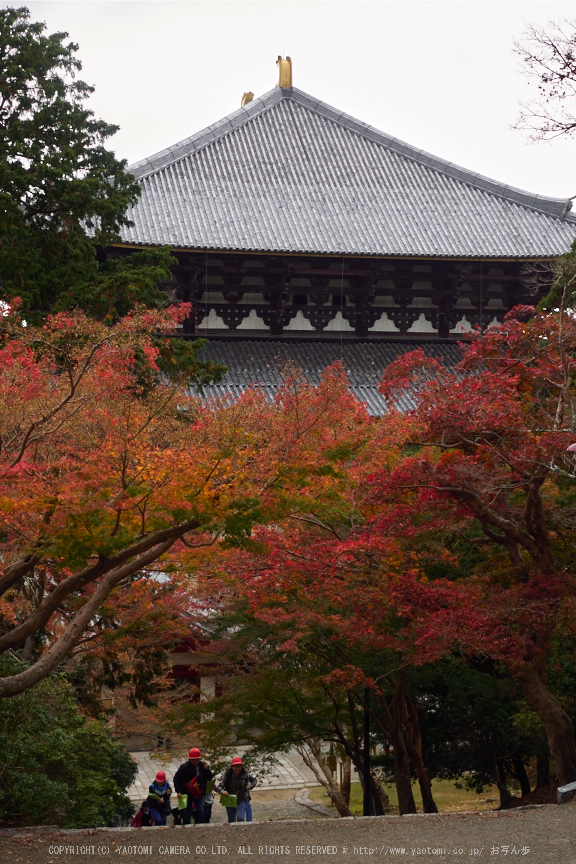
{"x":52,"y":601}
{"x":539,"y":551}
{"x":17,"y":571}
{"x":73,"y":631}
{"x":489,"y":518}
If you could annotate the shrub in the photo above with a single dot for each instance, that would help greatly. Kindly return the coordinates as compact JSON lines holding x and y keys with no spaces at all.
{"x":57,"y":767}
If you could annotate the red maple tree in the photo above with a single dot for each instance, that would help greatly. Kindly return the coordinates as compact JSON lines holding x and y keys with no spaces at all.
{"x":492,"y":464}
{"x":110,"y":469}
{"x":365,"y":553}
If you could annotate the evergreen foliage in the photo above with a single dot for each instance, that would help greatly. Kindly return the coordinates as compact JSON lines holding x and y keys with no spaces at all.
{"x":63,"y":195}
{"x":56,"y":767}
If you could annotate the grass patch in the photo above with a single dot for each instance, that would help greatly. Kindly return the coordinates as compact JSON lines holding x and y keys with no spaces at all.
{"x":448,"y":798}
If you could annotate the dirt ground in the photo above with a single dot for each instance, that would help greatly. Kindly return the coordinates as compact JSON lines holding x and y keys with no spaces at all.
{"x":540,"y":835}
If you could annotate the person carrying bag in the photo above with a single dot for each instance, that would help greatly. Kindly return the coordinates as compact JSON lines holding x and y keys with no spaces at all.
{"x":159,"y":794}
{"x":235,"y":787}
{"x":191,"y":779}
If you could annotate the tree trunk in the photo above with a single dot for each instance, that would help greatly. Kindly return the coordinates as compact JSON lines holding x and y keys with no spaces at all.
{"x":543,"y":768}
{"x":377,"y":805}
{"x":500,"y":777}
{"x":382,"y":796}
{"x":346,"y":780}
{"x":27,"y":652}
{"x":414,"y":742}
{"x":402,"y":776}
{"x":390,"y":721}
{"x":520,"y":774}
{"x":557,"y":723}
{"x":324,"y":776}
{"x":355,"y":753}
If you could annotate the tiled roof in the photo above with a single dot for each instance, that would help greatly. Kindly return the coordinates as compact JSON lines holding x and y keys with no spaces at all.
{"x":288,"y":173}
{"x":263,"y":364}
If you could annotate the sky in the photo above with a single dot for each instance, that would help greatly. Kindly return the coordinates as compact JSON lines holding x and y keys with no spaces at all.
{"x":442,"y":76}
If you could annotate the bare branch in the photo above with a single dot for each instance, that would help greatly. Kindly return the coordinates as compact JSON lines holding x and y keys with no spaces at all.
{"x":549,"y":58}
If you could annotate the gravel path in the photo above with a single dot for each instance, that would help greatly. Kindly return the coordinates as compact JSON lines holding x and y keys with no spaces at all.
{"x":543,"y":835}
{"x":275,"y":805}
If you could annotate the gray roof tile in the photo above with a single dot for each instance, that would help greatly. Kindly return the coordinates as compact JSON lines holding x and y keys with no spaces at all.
{"x":288,"y":173}
{"x":262,"y":364}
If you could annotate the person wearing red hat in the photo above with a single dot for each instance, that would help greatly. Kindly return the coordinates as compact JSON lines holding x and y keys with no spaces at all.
{"x":191,"y":779}
{"x":238,"y":782}
{"x":158,"y":799}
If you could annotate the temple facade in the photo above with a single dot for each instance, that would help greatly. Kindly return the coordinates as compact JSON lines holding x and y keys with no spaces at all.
{"x":303,"y":233}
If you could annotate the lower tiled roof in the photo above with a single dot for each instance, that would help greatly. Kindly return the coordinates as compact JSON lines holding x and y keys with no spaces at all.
{"x":262,"y":364}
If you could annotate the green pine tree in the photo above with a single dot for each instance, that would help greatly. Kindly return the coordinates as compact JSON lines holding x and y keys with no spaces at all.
{"x":62,"y":193}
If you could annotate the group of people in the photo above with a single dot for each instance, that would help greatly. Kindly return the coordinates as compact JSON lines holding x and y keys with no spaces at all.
{"x":195,"y":790}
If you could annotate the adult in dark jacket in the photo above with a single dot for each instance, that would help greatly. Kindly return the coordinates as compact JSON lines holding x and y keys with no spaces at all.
{"x":191,"y":779}
{"x":238,"y":782}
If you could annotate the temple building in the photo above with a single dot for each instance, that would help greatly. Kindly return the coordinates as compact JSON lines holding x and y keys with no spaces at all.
{"x":304,"y":234}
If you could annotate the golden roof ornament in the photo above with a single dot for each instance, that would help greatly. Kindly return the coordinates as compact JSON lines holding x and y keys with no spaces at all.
{"x":284,"y":72}
{"x":246,"y":98}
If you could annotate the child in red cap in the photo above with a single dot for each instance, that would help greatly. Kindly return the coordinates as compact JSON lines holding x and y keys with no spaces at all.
{"x":159,"y":798}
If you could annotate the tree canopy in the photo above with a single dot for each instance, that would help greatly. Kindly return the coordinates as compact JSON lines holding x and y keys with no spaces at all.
{"x":345,"y":552}
{"x":110,"y":469}
{"x":443,"y":530}
{"x":63,"y":194}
